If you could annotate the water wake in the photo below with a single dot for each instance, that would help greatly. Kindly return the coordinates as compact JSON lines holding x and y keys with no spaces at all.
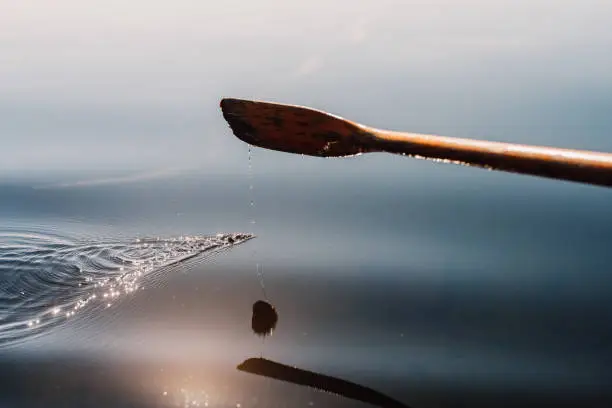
{"x":46,"y":279}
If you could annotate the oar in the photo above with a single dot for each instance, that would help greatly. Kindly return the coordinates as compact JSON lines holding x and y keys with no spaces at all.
{"x":297,"y":129}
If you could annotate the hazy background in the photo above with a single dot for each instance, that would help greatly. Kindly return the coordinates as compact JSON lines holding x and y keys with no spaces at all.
{"x":133,"y":86}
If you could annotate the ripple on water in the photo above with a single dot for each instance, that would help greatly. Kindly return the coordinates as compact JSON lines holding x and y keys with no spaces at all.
{"x":47,"y":278}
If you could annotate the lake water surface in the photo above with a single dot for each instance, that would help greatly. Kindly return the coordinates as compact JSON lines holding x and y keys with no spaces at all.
{"x":478,"y":293}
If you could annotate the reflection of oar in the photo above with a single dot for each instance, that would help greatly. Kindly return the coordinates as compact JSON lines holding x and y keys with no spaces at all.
{"x":303,"y":130}
{"x":271,"y":369}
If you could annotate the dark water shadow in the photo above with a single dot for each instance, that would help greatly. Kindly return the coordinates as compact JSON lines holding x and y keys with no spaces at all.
{"x":347,"y":389}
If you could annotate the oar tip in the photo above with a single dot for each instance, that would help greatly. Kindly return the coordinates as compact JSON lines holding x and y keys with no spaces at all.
{"x":250,"y":364}
{"x":233,"y":112}
{"x":229,"y":104}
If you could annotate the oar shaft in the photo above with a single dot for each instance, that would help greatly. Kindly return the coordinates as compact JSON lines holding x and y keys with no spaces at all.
{"x":564,"y":164}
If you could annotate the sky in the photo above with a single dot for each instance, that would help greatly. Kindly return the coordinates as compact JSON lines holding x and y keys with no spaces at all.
{"x":129,"y":88}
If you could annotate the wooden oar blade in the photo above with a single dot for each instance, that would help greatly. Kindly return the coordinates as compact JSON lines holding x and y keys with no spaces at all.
{"x":292,"y":129}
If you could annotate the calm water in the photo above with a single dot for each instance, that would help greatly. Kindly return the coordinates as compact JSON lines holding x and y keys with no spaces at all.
{"x":492,"y":290}
{"x":441,"y":286}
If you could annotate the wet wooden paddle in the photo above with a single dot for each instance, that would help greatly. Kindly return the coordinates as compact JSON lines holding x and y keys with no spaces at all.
{"x":297,"y":129}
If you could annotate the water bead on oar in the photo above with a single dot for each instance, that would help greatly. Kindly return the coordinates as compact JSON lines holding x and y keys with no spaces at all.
{"x":264,"y":318}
